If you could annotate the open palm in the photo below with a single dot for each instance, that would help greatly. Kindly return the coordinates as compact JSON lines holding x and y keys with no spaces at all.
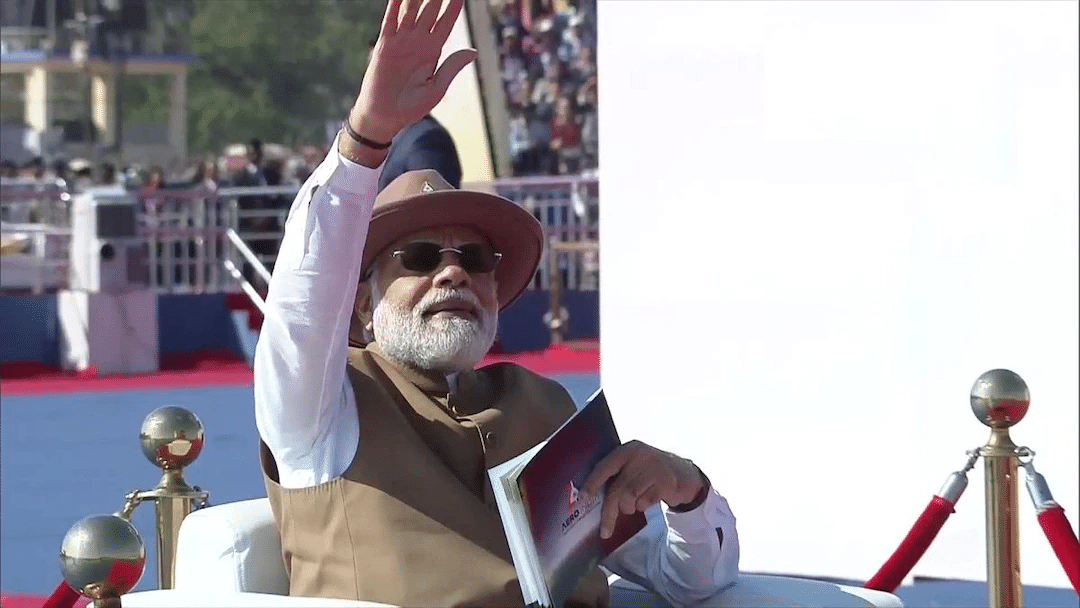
{"x":404,"y":80}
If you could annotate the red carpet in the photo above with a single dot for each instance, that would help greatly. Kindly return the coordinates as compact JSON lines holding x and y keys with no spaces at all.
{"x":32,"y":601}
{"x":226,"y":369}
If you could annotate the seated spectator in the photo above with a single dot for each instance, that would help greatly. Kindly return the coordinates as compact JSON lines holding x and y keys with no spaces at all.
{"x":566,"y":137}
{"x":582,"y":28}
{"x":60,"y":172}
{"x":520,"y":143}
{"x":519,"y":91}
{"x":583,"y":66}
{"x":505,"y":14}
{"x":206,"y":175}
{"x":543,"y":160}
{"x":34,"y":169}
{"x":151,"y":203}
{"x":546,"y":93}
{"x":547,"y":52}
{"x":235,"y":162}
{"x":273,"y":171}
{"x":106,"y":175}
{"x":512,"y":61}
{"x":586,"y":102}
{"x":155,"y":179}
{"x":311,"y":156}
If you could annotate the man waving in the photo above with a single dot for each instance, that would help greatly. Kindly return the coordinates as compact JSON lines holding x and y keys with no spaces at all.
{"x":378,"y":429}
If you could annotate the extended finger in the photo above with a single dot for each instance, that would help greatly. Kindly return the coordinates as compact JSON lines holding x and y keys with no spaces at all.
{"x":621,"y":496}
{"x":390,"y":18}
{"x":609,"y":514}
{"x":632,"y":490}
{"x":451,"y":67}
{"x":408,"y":19}
{"x":446,"y":22}
{"x":625,"y":498}
{"x":606,"y":469}
{"x":428,"y":14}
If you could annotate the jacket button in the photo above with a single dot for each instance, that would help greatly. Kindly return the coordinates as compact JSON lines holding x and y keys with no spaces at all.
{"x":489,"y":440}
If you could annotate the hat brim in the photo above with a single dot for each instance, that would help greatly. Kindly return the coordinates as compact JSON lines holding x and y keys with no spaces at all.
{"x":511,"y":230}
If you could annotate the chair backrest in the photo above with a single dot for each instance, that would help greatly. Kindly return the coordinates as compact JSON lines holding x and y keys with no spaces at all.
{"x":231,"y":547}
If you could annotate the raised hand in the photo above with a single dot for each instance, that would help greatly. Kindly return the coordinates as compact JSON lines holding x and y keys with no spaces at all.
{"x":404,"y":80}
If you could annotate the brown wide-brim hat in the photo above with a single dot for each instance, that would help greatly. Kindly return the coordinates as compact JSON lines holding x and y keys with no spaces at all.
{"x":423,"y":200}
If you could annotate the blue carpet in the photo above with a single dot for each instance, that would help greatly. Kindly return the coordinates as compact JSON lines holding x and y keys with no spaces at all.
{"x":65,"y":457}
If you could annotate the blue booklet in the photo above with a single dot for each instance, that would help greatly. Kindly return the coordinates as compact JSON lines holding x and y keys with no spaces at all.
{"x":552,"y":529}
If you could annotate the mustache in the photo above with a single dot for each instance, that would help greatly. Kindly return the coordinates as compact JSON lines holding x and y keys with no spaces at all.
{"x":441,"y":296}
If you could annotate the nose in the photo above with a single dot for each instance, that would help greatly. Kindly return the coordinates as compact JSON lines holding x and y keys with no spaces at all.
{"x":450,"y":273}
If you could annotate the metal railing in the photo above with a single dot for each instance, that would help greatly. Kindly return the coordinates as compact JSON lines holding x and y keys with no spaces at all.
{"x":248,"y":254}
{"x":185,"y":231}
{"x":249,"y":289}
{"x":568,"y":208}
{"x":35,"y":217}
{"x":35,"y":257}
{"x":35,"y":201}
{"x":192,"y":233}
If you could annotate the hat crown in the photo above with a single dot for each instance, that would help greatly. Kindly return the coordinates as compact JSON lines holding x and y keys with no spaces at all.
{"x":410,"y":184}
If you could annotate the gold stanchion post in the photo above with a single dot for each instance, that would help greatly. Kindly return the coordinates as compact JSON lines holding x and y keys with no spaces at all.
{"x":1000,"y":399}
{"x":102,"y":557}
{"x":172,"y":438}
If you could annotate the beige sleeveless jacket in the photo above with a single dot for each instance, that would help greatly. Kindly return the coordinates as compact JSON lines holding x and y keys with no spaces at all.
{"x":413,"y":521}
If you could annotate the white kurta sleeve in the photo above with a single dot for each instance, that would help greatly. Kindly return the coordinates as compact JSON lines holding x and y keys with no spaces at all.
{"x":303,"y":408}
{"x":683,"y":557}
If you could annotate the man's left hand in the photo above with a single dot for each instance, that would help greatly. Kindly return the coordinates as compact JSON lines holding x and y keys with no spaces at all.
{"x":641,"y":476}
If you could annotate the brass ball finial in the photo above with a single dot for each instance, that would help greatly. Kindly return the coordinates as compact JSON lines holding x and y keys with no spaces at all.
{"x":102,"y":557}
{"x":1000,"y":398}
{"x":172,"y":437}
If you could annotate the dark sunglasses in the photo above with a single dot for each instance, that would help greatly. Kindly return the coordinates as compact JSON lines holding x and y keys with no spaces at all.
{"x":474,"y":258}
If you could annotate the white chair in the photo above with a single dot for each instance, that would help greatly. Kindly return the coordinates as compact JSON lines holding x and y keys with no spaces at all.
{"x":230,"y":555}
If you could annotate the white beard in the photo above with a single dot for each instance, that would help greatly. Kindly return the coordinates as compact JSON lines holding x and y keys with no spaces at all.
{"x":443,"y":344}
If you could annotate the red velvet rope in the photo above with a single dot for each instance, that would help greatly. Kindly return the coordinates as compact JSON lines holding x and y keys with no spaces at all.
{"x":63,"y":597}
{"x":1063,"y":540}
{"x":912,"y":548}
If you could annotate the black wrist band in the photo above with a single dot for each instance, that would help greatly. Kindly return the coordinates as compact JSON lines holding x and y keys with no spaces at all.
{"x":360,"y":139}
{"x":698,"y":500}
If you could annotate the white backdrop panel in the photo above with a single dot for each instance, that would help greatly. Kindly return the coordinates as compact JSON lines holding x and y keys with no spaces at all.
{"x":821,"y":223}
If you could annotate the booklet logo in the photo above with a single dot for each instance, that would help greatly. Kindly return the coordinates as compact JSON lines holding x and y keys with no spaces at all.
{"x":577,"y":506}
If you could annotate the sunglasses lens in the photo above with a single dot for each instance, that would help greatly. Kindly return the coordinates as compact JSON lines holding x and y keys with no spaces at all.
{"x":477,"y":258}
{"x":421,"y":257}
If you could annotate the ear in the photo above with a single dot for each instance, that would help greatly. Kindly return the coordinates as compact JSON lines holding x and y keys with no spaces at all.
{"x":360,"y":326}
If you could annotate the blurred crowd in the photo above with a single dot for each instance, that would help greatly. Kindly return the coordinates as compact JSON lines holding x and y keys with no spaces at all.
{"x":547,"y":60}
{"x":547,"y":56}
{"x":251,"y":164}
